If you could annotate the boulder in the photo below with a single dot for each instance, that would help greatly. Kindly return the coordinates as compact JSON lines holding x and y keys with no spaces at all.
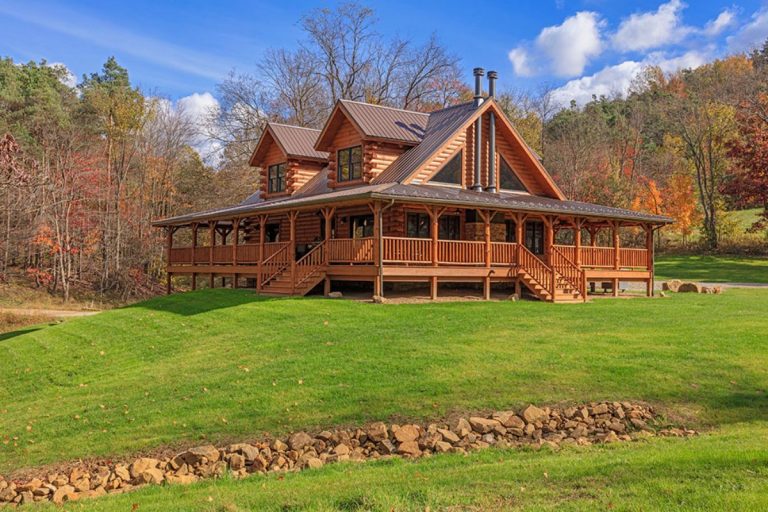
{"x":313,"y":463}
{"x":236,"y":461}
{"x":462,"y":428}
{"x":65,"y":493}
{"x":248,"y":451}
{"x":299,"y":440}
{"x":448,"y":435}
{"x":409,"y":448}
{"x":279,"y":446}
{"x":532,"y":414}
{"x":378,"y":299}
{"x":406,"y":433}
{"x":180,"y":479}
{"x":377,"y":432}
{"x":671,"y":286}
{"x":150,"y":476}
{"x":139,"y":465}
{"x":442,"y":446}
{"x":483,"y":425}
{"x":689,"y":288}
{"x":335,"y":295}
{"x":196,"y":455}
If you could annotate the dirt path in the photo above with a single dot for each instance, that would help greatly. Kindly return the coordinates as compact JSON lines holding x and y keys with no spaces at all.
{"x":53,"y":313}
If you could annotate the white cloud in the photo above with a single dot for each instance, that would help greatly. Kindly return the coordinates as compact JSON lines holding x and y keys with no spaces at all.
{"x":563,"y":50}
{"x":198,"y":108}
{"x":724,"y":20}
{"x":651,"y":29}
{"x":616,"y":80}
{"x":68,"y":78}
{"x":751,"y":35}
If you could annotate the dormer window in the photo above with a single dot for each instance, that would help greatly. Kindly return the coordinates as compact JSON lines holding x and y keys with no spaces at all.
{"x":508,"y":179}
{"x":350,"y":164}
{"x":276,"y":178}
{"x":451,"y":172}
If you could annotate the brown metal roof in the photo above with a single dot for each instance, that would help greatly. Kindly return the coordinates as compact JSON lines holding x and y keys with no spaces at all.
{"x":379,"y":122}
{"x":441,"y":125}
{"x":425,"y":194}
{"x":297,"y":141}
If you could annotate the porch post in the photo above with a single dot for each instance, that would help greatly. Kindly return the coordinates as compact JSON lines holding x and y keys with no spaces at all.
{"x":520,"y":241}
{"x":194,"y":242}
{"x":549,"y":238}
{"x":487,"y":215}
{"x":169,"y":247}
{"x":577,"y":241}
{"x":292,"y":215}
{"x":649,"y":255}
{"x":262,"y":236}
{"x":377,"y":282}
{"x":434,"y":217}
{"x":328,"y":216}
{"x":212,"y":231}
{"x":235,"y":241}
{"x":616,"y":248}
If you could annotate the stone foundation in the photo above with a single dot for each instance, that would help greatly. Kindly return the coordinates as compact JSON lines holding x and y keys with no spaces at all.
{"x":605,"y":422}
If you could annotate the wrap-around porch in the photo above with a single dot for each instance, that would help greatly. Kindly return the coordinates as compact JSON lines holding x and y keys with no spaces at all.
{"x":291,"y":252}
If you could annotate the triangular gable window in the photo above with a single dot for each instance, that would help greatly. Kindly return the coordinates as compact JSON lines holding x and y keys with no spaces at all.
{"x":451,"y":172}
{"x":508,"y":179}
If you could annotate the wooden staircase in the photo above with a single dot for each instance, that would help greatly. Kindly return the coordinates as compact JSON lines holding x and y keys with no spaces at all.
{"x":288,"y":278}
{"x":562,"y":282}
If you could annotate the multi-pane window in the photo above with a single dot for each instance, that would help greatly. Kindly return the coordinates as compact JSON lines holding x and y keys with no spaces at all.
{"x":417,"y":225}
{"x":349,"y":164}
{"x":534,"y":236}
{"x":449,"y":227}
{"x":451,"y":172}
{"x":508,"y":179}
{"x":510,"y":227}
{"x":276,"y":178}
{"x":361,"y":226}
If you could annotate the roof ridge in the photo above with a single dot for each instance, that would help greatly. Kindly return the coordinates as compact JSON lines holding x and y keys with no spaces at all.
{"x":271,"y":123}
{"x":466,"y":103}
{"x":344,"y":100}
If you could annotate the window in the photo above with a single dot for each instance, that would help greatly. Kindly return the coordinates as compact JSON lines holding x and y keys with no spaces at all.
{"x":350,"y":164}
{"x":534,"y":237}
{"x":449,"y":227}
{"x":451,"y":172}
{"x":508,"y":179}
{"x":276,"y":178}
{"x":361,"y":226}
{"x":417,"y":225}
{"x":510,"y":227}
{"x":272,"y":232}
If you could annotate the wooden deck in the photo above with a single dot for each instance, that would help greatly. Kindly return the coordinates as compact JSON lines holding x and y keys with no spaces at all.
{"x":561,"y":274}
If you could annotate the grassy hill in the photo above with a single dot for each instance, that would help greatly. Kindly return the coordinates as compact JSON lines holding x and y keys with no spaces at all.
{"x":223,"y":364}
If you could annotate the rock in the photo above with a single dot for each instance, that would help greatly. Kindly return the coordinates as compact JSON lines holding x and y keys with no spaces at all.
{"x":236,"y":461}
{"x":671,"y":286}
{"x":442,"y":446}
{"x":532,"y":414}
{"x":377,"y":432}
{"x":299,"y":440}
{"x":410,"y":448}
{"x":386,"y":447}
{"x":196,"y":455}
{"x":511,"y":420}
{"x":139,"y":465}
{"x":249,"y":451}
{"x":689,"y":288}
{"x":9,"y":493}
{"x":611,"y":437}
{"x":335,"y":295}
{"x":406,"y":433}
{"x":448,"y":435}
{"x":65,"y":493}
{"x":279,"y":446}
{"x":483,"y":425}
{"x":462,"y":428}
{"x":121,"y":472}
{"x":600,"y":409}
{"x":341,"y":449}
{"x":378,"y":299}
{"x":150,"y":476}
{"x":314,"y":463}
{"x":180,"y":479}
{"x":30,"y":485}
{"x":717,"y":290}
{"x":513,"y":298}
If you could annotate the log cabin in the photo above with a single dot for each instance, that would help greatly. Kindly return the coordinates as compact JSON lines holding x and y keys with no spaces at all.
{"x":385,"y":195}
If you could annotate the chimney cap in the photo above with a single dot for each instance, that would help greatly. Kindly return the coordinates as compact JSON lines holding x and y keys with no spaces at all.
{"x":478,"y":71}
{"x":493,"y":74}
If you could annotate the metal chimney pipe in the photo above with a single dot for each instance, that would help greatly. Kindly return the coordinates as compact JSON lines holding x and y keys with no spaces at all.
{"x":478,"y":184}
{"x":492,"y":76}
{"x":478,"y":72}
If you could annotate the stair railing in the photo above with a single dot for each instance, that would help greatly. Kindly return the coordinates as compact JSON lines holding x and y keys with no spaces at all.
{"x":536,"y":268}
{"x":568,"y":270}
{"x":276,"y":264}
{"x":309,"y":264}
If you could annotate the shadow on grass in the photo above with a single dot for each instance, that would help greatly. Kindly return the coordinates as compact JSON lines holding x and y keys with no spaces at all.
{"x":202,"y":301}
{"x":8,"y":335}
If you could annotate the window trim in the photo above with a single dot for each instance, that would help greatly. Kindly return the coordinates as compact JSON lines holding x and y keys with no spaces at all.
{"x":348,"y":152}
{"x":281,"y":180}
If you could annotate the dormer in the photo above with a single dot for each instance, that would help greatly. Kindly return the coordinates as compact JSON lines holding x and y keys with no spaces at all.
{"x":287,"y":159}
{"x":362,"y":140}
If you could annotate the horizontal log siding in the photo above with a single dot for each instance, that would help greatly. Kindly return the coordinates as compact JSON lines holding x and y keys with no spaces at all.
{"x":377,"y":156}
{"x":514,"y":155}
{"x":445,"y":154}
{"x":346,"y":136}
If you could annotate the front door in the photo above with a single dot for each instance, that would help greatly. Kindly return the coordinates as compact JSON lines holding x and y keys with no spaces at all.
{"x":534,"y":236}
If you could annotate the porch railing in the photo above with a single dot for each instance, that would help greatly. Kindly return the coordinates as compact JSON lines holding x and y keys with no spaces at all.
{"x":407,"y":250}
{"x":276,"y":263}
{"x":568,"y":270}
{"x":633,"y":258}
{"x":350,"y":250}
{"x":605,"y":257}
{"x":460,"y":252}
{"x":504,"y":253}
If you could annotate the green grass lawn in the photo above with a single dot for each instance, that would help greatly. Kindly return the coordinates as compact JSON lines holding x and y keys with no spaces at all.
{"x":219,"y":365}
{"x":717,"y":269}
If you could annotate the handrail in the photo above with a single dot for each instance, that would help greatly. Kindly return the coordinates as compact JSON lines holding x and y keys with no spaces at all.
{"x":309,"y":263}
{"x":537,"y":269}
{"x":280,"y":260}
{"x":568,"y":270}
{"x":350,"y":250}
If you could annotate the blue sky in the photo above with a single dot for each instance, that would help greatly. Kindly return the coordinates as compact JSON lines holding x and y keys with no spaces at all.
{"x":183,"y":49}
